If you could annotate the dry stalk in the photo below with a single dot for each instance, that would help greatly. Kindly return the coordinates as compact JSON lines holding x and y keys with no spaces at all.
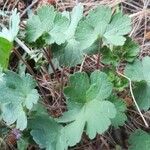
{"x":131,"y":91}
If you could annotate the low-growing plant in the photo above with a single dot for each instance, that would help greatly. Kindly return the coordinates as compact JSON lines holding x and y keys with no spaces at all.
{"x":92,"y":100}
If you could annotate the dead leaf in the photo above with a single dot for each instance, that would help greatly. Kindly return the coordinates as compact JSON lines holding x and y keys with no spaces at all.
{"x":51,"y":2}
{"x":128,"y":100}
{"x":147,"y":36}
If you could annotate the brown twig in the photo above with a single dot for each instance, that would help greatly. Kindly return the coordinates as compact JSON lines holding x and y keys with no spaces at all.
{"x":62,"y":84}
{"x":31,"y":72}
{"x":29,"y":7}
{"x":48,"y":57}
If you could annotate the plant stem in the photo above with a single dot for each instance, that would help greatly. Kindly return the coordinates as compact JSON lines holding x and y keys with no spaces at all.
{"x":51,"y":64}
{"x":31,"y":72}
{"x":81,"y":67}
{"x":23,"y":46}
{"x":28,"y":8}
{"x":62,"y":84}
{"x":98,"y":59}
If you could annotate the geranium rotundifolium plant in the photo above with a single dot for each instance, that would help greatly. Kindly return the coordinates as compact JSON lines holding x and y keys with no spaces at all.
{"x":62,"y":42}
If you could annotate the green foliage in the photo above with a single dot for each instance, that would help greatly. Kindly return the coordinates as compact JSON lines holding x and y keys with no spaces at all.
{"x":94,"y":115}
{"x":120,"y":117}
{"x":127,"y":52}
{"x":71,"y":35}
{"x":47,"y":133}
{"x":139,"y":72}
{"x":119,"y":83}
{"x":88,"y":111}
{"x":86,"y":98}
{"x":83,"y":89}
{"x":7,"y":36}
{"x":92,"y":104}
{"x":48,"y":23}
{"x":11,"y":33}
{"x":69,"y":54}
{"x":111,"y":28}
{"x":22,"y":144}
{"x":17,"y":95}
{"x":139,"y":140}
{"x":5,"y":50}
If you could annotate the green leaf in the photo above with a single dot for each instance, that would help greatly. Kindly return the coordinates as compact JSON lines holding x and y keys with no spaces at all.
{"x":94,"y":116}
{"x":119,"y":83}
{"x":109,"y":57}
{"x":90,"y":29}
{"x":22,"y":144}
{"x":110,"y":28}
{"x":127,"y":52}
{"x":11,"y":33}
{"x":16,"y":95}
{"x":78,"y":85}
{"x":47,"y":133}
{"x":120,"y":117}
{"x":139,"y":72}
{"x":75,"y":17}
{"x":87,"y":108}
{"x":7,"y":36}
{"x":57,"y":34}
{"x":119,"y":26}
{"x":139,"y":140}
{"x":70,"y":54}
{"x":142,"y":95}
{"x":14,"y":112}
{"x":48,"y":23}
{"x":14,"y":23}
{"x":38,"y":109}
{"x":5,"y":50}
{"x":80,"y":90}
{"x":1,"y":75}
{"x":100,"y":87}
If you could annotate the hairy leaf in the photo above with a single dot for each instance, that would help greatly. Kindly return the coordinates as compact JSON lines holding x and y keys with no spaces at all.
{"x":7,"y":36}
{"x":94,"y":116}
{"x":111,"y":28}
{"x":109,"y":57}
{"x":139,"y":72}
{"x":70,"y":54}
{"x":87,"y":107}
{"x":139,"y":140}
{"x":11,"y":33}
{"x":5,"y":50}
{"x":13,"y":112}
{"x":17,"y":94}
{"x":22,"y":144}
{"x":47,"y":133}
{"x":127,"y":52}
{"x":78,"y":85}
{"x":120,"y":117}
{"x":99,"y":88}
{"x":119,"y":83}
{"x":48,"y":23}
